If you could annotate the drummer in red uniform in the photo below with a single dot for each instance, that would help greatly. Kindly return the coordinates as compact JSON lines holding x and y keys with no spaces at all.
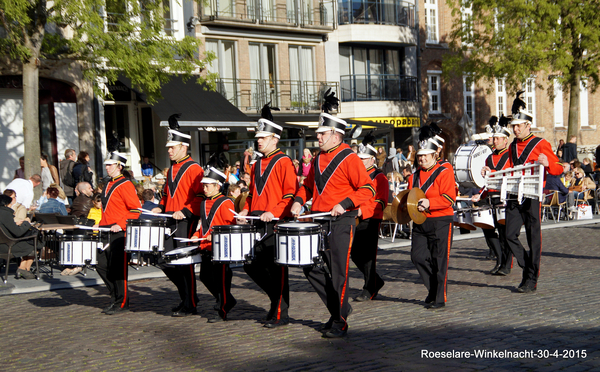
{"x":119,"y":203}
{"x":431,"y":241}
{"x":338,"y":184}
{"x":272,"y":187}
{"x":182,"y":195}
{"x":215,"y":210}
{"x":370,"y":214}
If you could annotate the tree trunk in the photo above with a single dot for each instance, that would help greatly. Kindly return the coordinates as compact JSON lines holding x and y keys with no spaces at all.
{"x":574,"y":91}
{"x":31,"y":119}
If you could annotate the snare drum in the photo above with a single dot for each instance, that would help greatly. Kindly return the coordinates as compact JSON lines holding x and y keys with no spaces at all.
{"x":145,"y":236}
{"x":501,"y":214}
{"x":233,"y":243}
{"x":78,"y":250}
{"x":464,"y":219}
{"x":468,"y":161}
{"x":297,"y":244}
{"x":183,"y":256}
{"x":483,"y":217}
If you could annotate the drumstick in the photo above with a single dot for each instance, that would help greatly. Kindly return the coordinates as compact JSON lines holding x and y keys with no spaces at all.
{"x":92,"y":228}
{"x":237,"y":215}
{"x":155,"y":214}
{"x":185,"y":240}
{"x":315,"y":215}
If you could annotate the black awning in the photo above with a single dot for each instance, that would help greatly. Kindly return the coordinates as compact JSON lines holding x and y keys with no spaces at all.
{"x":198,"y":107}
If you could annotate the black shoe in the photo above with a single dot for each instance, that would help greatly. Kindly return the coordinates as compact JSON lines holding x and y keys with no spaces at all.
{"x":336,"y":333}
{"x":491,"y":257}
{"x":216,"y":319}
{"x":177,"y":308}
{"x":116,"y":309}
{"x":326,"y":327}
{"x":495,"y":269}
{"x":183,"y":313}
{"x":526,"y":289}
{"x":25,"y":274}
{"x":437,"y":305}
{"x":502,"y":272}
{"x":277,"y":323}
{"x":109,"y":307}
{"x":362,"y":298}
{"x":429,"y":300}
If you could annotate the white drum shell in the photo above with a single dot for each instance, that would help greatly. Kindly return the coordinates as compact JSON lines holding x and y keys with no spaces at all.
{"x":463,"y":218}
{"x":233,"y":246}
{"x":501,"y":214}
{"x":144,"y":238}
{"x":468,"y":161}
{"x":297,"y":248}
{"x":189,"y":260}
{"x":77,"y":252}
{"x":483,"y":217}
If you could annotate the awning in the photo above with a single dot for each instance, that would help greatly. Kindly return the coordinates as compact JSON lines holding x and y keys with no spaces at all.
{"x":199,"y":108}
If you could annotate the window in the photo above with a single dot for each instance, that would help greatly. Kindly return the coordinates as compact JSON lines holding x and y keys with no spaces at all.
{"x":263,"y":74}
{"x":304,"y":89}
{"x":225,"y":66}
{"x":469,"y":97}
{"x":583,"y":103}
{"x":467,"y":20}
{"x":529,"y":98}
{"x":431,"y":20}
{"x":434,"y":92}
{"x":501,"y":105}
{"x":558,"y":105}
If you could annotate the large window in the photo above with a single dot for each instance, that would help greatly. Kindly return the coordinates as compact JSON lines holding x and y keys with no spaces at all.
{"x":469,"y":97}
{"x":501,"y":104}
{"x":431,"y":20}
{"x":304,"y":89}
{"x":434,"y":91}
{"x":225,"y":66}
{"x":529,"y":98}
{"x":559,"y":120}
{"x":263,"y":74}
{"x":467,"y":20}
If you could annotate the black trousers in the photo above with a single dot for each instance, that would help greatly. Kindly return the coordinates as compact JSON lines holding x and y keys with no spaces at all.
{"x":528,"y":214}
{"x":507,"y":256}
{"x":183,"y":276}
{"x":217,"y":277}
{"x":269,"y":276}
{"x":431,"y":243}
{"x":364,"y":255}
{"x":112,"y":268}
{"x":331,"y":279}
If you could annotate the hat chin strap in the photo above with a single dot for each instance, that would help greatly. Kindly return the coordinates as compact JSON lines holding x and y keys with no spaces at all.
{"x":330,"y":135}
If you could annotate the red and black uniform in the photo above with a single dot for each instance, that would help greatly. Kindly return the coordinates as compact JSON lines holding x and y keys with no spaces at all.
{"x":119,"y":203}
{"x":272,"y":188}
{"x":432,"y":240}
{"x":182,"y":192}
{"x":216,"y":211}
{"x":524,"y":151}
{"x":364,"y":247}
{"x":337,"y":176}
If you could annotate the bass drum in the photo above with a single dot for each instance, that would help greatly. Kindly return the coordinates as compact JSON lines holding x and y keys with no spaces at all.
{"x":468,"y":161}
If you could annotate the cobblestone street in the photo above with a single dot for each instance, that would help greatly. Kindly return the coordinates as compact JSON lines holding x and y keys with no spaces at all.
{"x":63,"y":330}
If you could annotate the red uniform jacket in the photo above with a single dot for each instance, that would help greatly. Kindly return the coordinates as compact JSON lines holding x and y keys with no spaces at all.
{"x":437,"y":182}
{"x":375,"y":206}
{"x":183,"y":190}
{"x":119,"y":202}
{"x":273,"y":185}
{"x":528,"y":150}
{"x":221,"y":215}
{"x":337,"y":176}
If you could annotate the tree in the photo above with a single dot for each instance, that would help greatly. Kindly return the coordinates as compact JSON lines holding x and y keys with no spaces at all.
{"x":516,"y":39}
{"x":108,"y":37}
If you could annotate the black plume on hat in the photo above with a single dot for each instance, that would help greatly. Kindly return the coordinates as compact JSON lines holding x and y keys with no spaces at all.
{"x":329,"y":101}
{"x":493,"y":120}
{"x":518,"y":103}
{"x":369,"y":139}
{"x":504,"y":121}
{"x":435,"y":129}
{"x":426,"y":133}
{"x":265,"y":112}
{"x":173,"y":123}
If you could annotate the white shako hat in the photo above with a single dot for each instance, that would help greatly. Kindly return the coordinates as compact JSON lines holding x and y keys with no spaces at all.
{"x":214,"y":176}
{"x":177,"y":138}
{"x":267,"y":128}
{"x":365,"y":152}
{"x":116,"y":157}
{"x":328,"y":122}
{"x":428,"y":146}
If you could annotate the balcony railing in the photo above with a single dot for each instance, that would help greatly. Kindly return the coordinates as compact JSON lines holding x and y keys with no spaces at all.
{"x":288,"y":95}
{"x":381,"y":87}
{"x":303,"y":13}
{"x":396,"y":12}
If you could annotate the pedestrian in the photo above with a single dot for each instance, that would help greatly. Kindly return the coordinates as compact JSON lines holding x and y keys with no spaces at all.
{"x":81,"y":170}
{"x":570,"y":149}
{"x":49,"y":172}
{"x":381,"y":156}
{"x":147,"y":168}
{"x":20,"y":172}
{"x":66,"y":174}
{"x":306,"y":162}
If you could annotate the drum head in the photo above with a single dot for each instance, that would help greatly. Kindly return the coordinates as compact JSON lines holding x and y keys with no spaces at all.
{"x":159,"y":222}
{"x":189,"y":250}
{"x":232,"y":229}
{"x":298,"y":225}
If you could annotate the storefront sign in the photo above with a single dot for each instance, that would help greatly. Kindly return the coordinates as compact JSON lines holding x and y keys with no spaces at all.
{"x":396,"y":122}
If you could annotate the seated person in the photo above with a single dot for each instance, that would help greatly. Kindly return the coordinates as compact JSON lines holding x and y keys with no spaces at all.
{"x":83,"y":202}
{"x":96,"y":211}
{"x":53,"y":205}
{"x":553,"y":183}
{"x":20,"y":210}
{"x":23,"y":249}
{"x":581,"y":184}
{"x":147,"y":198}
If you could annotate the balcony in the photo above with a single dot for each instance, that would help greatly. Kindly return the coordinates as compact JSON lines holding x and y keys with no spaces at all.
{"x":382,"y":87}
{"x":288,"y":13}
{"x":293,"y":96}
{"x":396,"y":13}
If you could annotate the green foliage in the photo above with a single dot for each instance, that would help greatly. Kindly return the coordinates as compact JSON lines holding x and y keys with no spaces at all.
{"x":110,"y":39}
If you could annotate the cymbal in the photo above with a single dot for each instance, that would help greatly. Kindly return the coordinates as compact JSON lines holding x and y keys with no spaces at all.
{"x":399,"y":211}
{"x":387,"y":213}
{"x":240,"y":201}
{"x":412,"y":203}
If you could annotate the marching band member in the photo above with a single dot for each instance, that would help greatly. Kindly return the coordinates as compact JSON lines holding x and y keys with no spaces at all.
{"x":182,"y":195}
{"x":527,"y":148}
{"x":338,"y":183}
{"x":272,"y":188}
{"x":431,"y":241}
{"x":119,"y":203}
{"x":364,"y":247}
{"x":498,"y":160}
{"x":215,"y":210}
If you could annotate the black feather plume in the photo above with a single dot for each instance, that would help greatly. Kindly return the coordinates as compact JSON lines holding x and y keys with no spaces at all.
{"x":493,"y":120}
{"x":504,"y":121}
{"x":425,"y":133}
{"x":173,"y":123}
{"x":518,"y":103}
{"x":265,"y":112}
{"x":369,"y":139}
{"x":435,"y":129}
{"x":329,"y":101}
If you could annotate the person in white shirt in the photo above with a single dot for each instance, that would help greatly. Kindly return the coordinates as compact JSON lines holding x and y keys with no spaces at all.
{"x":24,"y":189}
